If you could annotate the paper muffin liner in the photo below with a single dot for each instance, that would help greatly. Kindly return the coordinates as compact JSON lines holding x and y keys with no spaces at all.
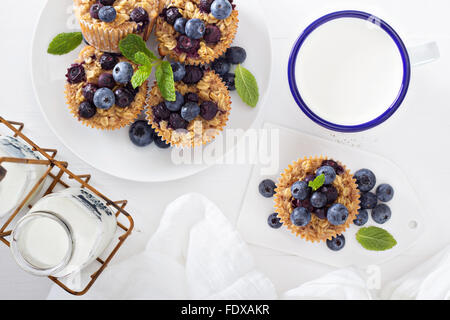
{"x":200,"y":131}
{"x":165,"y":34}
{"x":318,"y":229}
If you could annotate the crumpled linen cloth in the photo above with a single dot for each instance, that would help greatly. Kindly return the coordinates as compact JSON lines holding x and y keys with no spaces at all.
{"x":197,"y":254}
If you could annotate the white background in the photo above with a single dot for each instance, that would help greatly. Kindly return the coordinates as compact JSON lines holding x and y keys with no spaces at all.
{"x":416,"y":137}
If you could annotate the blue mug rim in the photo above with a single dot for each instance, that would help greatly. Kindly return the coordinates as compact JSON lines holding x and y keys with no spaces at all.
{"x":349,"y":14}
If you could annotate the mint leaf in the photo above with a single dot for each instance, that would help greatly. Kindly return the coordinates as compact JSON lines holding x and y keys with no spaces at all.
{"x":141,"y":75}
{"x":375,"y":239}
{"x":64,"y":43}
{"x":142,"y":59}
{"x":246,"y":86}
{"x":317,"y":182}
{"x":164,"y":78}
{"x":133,"y":44}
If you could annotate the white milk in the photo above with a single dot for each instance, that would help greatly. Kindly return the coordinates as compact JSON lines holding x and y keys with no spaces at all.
{"x":349,"y":71}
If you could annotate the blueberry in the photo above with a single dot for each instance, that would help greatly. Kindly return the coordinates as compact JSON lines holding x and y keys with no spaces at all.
{"x":205,"y":5}
{"x":106,"y":80}
{"x":123,"y":72}
{"x":178,"y":71}
{"x":339,"y":169}
{"x":160,"y":112}
{"x":190,"y":111}
{"x":385,"y":192}
{"x":368,"y":200}
{"x":139,"y":15}
{"x":176,"y":122}
{"x":365,"y":179}
{"x":108,"y":61}
{"x":104,"y":98}
{"x":172,"y":14}
{"x":86,"y":110}
{"x":221,"y":66}
{"x":309,"y":178}
{"x":328,"y":172}
{"x":381,"y":214}
{"x":193,"y":75}
{"x":274,"y":221}
{"x":76,"y":74}
{"x":88,"y":91}
{"x":300,"y":190}
{"x":307,"y":205}
{"x":95,"y":8}
{"x":195,"y":29}
{"x":188,"y":45}
{"x":208,"y":110}
{"x":123,"y":97}
{"x":141,"y":133}
{"x":221,"y":9}
{"x":212,"y":34}
{"x":180,"y":25}
{"x":229,"y":80}
{"x":336,"y":243}
{"x":300,"y":217}
{"x":107,"y":14}
{"x":176,"y":105}
{"x":236,"y":55}
{"x":362,"y":217}
{"x":337,"y":214}
{"x":320,"y":213}
{"x":267,"y":188}
{"x":191,"y":97}
{"x":318,"y":199}
{"x":331,"y":192}
{"x":107,"y":2}
{"x":160,"y":143}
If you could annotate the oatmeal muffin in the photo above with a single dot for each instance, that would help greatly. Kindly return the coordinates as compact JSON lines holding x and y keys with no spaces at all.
{"x":104,"y":23}
{"x":317,"y":215}
{"x":99,"y":93}
{"x":199,"y":113}
{"x":196,"y":31}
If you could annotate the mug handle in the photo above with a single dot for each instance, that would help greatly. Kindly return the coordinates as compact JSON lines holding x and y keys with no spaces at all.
{"x":423,"y":54}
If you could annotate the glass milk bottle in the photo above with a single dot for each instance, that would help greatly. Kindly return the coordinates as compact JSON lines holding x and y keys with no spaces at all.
{"x":17,"y":179}
{"x":63,"y":233}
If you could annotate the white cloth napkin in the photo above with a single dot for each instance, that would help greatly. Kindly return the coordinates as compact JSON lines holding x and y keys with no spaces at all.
{"x":197,"y":254}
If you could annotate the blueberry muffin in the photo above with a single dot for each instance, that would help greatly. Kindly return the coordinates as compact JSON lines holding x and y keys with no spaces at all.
{"x":200,"y":112}
{"x":99,"y":93}
{"x":322,"y":214}
{"x":105,"y":22}
{"x":196,"y":31}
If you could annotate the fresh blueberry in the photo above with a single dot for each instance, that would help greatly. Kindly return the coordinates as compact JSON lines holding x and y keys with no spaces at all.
{"x":141,"y":133}
{"x":180,"y":25}
{"x":365,"y":179}
{"x":123,"y":97}
{"x":106,"y":80}
{"x":107,"y":14}
{"x":208,"y":110}
{"x":300,"y":217}
{"x":190,"y":111}
{"x":328,"y":172}
{"x":104,"y":98}
{"x":176,"y":105}
{"x":123,"y":72}
{"x":160,"y":143}
{"x":385,"y":192}
{"x":95,"y":8}
{"x":362,"y":217}
{"x":337,"y":214}
{"x":205,"y":5}
{"x":221,"y":66}
{"x":274,"y":221}
{"x":139,"y":15}
{"x":300,"y":190}
{"x":331,"y":192}
{"x":229,"y":80}
{"x":160,"y":112}
{"x":195,"y":29}
{"x":320,"y":213}
{"x":107,"y":2}
{"x":191,"y":97}
{"x":86,"y":110}
{"x":318,"y":199}
{"x":267,"y":188}
{"x":75,"y":74}
{"x":108,"y":61}
{"x":381,"y":214}
{"x":212,"y":34}
{"x":368,"y":200}
{"x":88,"y":91}
{"x":193,"y":75}
{"x":236,"y":55}
{"x":178,"y":71}
{"x":172,"y":14}
{"x":336,"y":243}
{"x":221,"y":9}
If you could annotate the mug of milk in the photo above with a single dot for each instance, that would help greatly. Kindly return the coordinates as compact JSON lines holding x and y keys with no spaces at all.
{"x":349,"y":71}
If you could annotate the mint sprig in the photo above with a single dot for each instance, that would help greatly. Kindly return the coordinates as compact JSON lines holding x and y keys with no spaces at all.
{"x":64,"y":43}
{"x":317,"y":182}
{"x":246,"y":86}
{"x":164,"y":79}
{"x":375,"y":239}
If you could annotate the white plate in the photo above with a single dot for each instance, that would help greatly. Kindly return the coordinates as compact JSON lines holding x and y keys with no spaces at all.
{"x":112,"y":152}
{"x":406,"y":224}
